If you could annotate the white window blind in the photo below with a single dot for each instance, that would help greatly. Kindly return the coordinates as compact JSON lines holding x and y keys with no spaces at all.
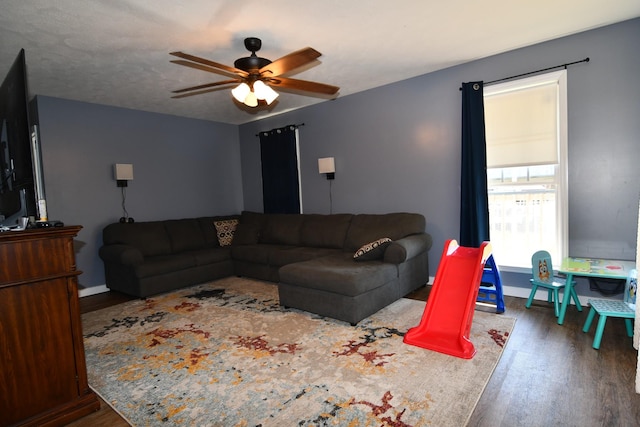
{"x":526,"y":128}
{"x":522,"y":125}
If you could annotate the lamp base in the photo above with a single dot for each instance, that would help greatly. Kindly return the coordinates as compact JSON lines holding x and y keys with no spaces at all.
{"x":331,"y":175}
{"x":122,"y":182}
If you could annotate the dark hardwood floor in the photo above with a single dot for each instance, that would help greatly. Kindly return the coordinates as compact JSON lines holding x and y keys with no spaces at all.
{"x":549,"y":375}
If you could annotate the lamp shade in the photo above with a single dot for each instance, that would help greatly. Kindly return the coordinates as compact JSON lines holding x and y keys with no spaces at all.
{"x":240,"y":92}
{"x":251,"y":100}
{"x":263,"y":91}
{"x":123,"y":171}
{"x":326,"y":165}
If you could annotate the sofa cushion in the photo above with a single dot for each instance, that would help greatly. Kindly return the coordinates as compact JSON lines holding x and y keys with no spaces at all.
{"x":184,"y":234}
{"x":210,"y":255}
{"x":324,"y":231}
{"x":282,"y":229}
{"x":408,"y":247}
{"x":372,"y":250}
{"x":258,"y":254}
{"x":225,"y":230}
{"x":209,"y":233}
{"x":246,"y":234}
{"x":256,"y":219}
{"x":149,"y":237}
{"x":161,"y":264}
{"x":339,"y":274}
{"x":365,"y":228}
{"x":288,"y":255}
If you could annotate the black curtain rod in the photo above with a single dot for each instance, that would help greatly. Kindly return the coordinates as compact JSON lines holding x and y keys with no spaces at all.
{"x":536,"y":72}
{"x":296,"y":126}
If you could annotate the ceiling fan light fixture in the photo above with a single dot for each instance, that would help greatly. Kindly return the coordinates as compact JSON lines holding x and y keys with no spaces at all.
{"x":251,"y":100}
{"x":256,"y":75}
{"x":263,"y":91}
{"x":241,"y":91}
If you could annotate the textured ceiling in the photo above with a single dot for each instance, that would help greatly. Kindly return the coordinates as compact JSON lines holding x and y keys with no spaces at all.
{"x":116,"y":52}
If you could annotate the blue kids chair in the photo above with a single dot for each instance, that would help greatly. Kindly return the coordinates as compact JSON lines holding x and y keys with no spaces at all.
{"x":542,"y":272}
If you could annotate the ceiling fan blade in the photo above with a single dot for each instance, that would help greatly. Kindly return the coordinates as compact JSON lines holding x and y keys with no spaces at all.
{"x":290,"y":62}
{"x":199,"y":92}
{"x":304,"y":85}
{"x":208,"y":85}
{"x":203,"y":67}
{"x":207,"y":62}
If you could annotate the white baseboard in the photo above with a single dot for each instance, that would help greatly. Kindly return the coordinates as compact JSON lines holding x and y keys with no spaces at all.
{"x":515,"y":291}
{"x":94,"y":290}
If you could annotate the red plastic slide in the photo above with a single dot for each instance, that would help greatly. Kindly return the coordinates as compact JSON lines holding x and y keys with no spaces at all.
{"x":446,"y":321}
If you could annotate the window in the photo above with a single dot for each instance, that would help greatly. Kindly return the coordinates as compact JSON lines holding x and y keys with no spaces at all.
{"x":526,"y":131}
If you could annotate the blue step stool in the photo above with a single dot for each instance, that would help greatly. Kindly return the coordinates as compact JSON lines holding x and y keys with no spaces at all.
{"x":491,"y":286}
{"x":607,"y":308}
{"x":625,"y":309}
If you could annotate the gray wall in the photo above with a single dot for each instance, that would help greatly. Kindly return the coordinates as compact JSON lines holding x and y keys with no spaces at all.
{"x":397,"y":148}
{"x":182,"y":168}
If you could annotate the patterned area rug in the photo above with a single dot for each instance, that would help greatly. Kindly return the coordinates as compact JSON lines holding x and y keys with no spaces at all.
{"x":226,"y":354}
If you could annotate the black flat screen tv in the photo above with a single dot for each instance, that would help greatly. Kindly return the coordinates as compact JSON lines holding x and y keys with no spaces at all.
{"x":17,"y":180}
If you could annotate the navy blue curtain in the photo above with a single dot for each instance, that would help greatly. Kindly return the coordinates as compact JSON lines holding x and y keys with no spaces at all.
{"x":474,"y":203}
{"x":280,"y":186}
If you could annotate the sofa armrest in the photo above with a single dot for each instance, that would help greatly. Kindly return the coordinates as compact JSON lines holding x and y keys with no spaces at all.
{"x":406,"y":248}
{"x":121,"y":254}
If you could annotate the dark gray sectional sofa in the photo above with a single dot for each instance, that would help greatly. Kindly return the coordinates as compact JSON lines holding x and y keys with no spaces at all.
{"x":309,"y":256}
{"x":148,"y":258}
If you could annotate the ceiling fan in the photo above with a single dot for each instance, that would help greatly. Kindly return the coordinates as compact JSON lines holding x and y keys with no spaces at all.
{"x":255,"y":76}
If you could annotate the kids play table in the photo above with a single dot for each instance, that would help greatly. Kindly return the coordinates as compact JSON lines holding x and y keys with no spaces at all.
{"x":590,"y":267}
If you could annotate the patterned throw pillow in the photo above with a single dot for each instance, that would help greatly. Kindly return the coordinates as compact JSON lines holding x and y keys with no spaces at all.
{"x":373,"y":250}
{"x":225,"y":230}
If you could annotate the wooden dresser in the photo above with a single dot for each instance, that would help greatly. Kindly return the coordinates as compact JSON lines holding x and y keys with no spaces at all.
{"x":43,"y":376}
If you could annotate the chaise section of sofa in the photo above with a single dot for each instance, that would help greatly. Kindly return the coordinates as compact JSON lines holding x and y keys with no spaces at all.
{"x":340,"y":287}
{"x":147,"y":258}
